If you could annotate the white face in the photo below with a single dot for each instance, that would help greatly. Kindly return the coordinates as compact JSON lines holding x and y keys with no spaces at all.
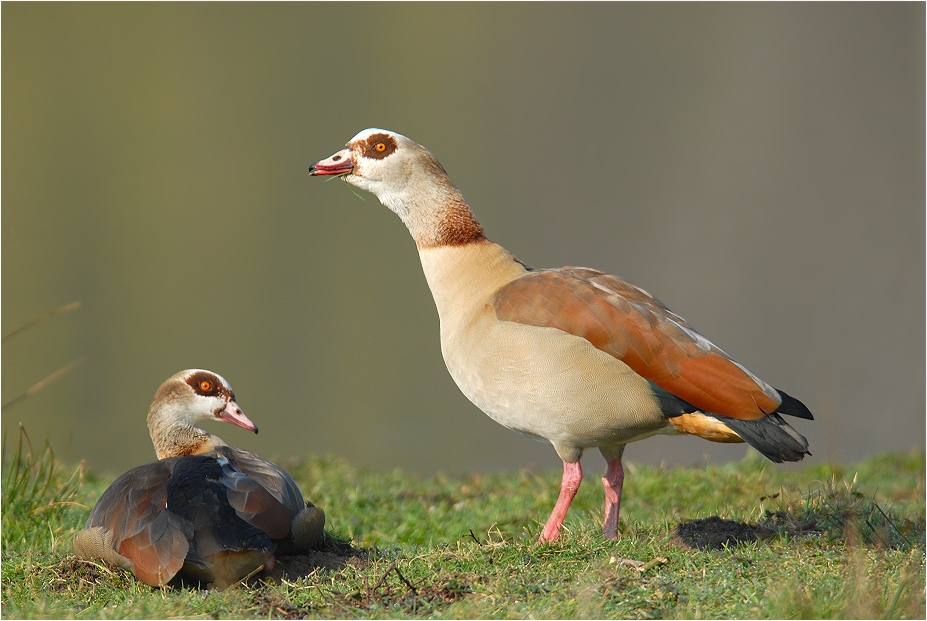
{"x":211,"y":397}
{"x":376,"y":160}
{"x":382,"y":161}
{"x":401,"y":173}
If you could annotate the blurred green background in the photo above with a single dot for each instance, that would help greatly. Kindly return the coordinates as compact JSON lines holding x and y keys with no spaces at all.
{"x":760,"y":168}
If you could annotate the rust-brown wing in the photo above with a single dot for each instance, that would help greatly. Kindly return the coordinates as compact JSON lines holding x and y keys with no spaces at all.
{"x":636,"y":328}
{"x":134,"y":510}
{"x":261,"y":492}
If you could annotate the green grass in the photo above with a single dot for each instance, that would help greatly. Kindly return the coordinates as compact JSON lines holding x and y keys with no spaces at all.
{"x":834,"y":542}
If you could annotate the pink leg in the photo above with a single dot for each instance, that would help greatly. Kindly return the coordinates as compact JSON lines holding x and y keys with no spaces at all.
{"x":613,"y":482}
{"x":572,"y":477}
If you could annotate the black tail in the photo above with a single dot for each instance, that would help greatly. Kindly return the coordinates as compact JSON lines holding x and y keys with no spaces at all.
{"x":770,"y":435}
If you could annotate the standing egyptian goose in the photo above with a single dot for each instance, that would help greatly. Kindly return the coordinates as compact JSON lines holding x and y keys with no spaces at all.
{"x":571,"y":355}
{"x":206,"y":512}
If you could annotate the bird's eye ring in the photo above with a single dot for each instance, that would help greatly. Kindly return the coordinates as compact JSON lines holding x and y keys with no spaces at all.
{"x":380,"y":147}
{"x":205,"y":385}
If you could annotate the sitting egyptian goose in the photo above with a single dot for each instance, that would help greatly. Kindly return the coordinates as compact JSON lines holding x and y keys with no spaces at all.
{"x":206,"y":512}
{"x":570,"y":355}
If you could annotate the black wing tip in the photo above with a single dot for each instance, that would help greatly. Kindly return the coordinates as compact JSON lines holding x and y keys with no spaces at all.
{"x":793,"y":407}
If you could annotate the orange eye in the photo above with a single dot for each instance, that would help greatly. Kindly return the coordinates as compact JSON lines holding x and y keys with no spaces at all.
{"x":205,"y":386}
{"x":380,"y":147}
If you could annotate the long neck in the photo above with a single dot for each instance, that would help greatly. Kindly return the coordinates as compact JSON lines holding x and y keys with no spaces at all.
{"x":173,"y":438}
{"x":454,"y":225}
{"x":462,"y":266}
{"x":431,"y":207}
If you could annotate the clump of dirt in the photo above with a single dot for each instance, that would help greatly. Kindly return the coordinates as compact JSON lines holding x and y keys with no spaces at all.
{"x":412,"y":596}
{"x":73,"y":571}
{"x":272,"y":606}
{"x":715,"y":533}
{"x":448,"y":592}
{"x":392,"y":591}
{"x":329,"y":555}
{"x":395,"y":592}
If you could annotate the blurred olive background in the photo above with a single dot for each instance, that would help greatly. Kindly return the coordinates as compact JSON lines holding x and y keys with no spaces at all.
{"x":760,"y":168}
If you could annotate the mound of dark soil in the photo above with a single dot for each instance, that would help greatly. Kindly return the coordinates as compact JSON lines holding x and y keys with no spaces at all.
{"x":714,"y":533}
{"x":329,"y":554}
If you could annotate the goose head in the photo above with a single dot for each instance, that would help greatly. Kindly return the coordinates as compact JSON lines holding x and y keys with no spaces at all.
{"x":188,"y":398}
{"x":408,"y":179}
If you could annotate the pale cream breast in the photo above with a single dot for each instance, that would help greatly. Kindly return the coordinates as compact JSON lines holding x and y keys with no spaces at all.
{"x":541,"y":381}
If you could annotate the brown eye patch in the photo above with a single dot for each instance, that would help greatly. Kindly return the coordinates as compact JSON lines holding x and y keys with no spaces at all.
{"x":379,"y":146}
{"x":205,"y":384}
